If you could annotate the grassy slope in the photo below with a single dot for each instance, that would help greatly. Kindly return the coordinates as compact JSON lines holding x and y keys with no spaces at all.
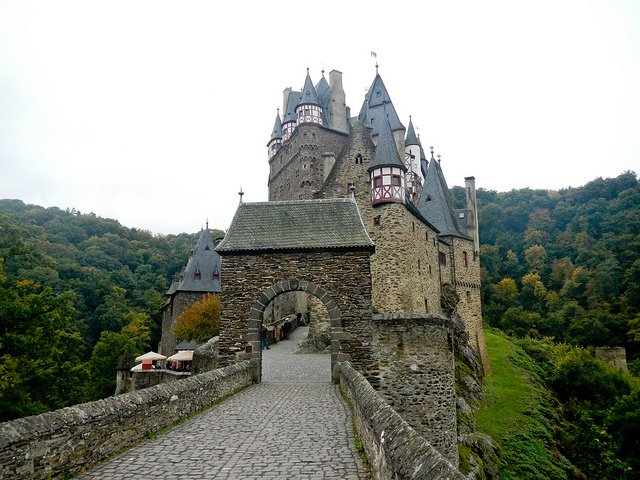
{"x":517,"y":413}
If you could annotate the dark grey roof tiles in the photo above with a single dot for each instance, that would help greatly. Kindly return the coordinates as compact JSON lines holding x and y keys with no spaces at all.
{"x":309,"y":95}
{"x":435,"y":202}
{"x":324,"y":92}
{"x":292,"y":102}
{"x":376,"y":105}
{"x":411,"y":139}
{"x":276,"y":134}
{"x":386,"y":150}
{"x":297,"y":225}
{"x":202,"y":273}
{"x":187,"y":345}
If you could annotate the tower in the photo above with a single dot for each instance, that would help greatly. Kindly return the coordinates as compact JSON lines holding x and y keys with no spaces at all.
{"x":412,"y":161}
{"x":309,"y":110}
{"x":387,"y":172}
{"x":275,"y":142}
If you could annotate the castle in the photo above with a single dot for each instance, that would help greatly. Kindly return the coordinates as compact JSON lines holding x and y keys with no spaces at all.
{"x":425,"y":250}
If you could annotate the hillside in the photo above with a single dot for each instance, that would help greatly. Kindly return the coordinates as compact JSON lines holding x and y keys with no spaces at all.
{"x":69,"y":284}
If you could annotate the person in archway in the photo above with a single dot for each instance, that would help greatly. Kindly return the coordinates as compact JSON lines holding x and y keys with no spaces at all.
{"x":286,"y":328}
{"x":264,"y":337}
{"x":299,"y":321}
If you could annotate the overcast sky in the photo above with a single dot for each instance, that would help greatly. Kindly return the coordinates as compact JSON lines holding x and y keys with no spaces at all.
{"x":155,"y":112}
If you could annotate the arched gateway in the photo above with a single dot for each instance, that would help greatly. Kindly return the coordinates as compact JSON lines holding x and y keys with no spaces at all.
{"x":316,"y":246}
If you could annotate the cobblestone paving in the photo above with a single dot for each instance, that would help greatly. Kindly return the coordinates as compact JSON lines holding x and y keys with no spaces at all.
{"x":291,"y":426}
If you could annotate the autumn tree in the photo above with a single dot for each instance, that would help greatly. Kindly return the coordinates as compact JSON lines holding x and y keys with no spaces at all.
{"x":200,"y":321}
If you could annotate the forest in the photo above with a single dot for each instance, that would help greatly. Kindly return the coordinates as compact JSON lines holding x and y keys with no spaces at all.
{"x":560,"y":275}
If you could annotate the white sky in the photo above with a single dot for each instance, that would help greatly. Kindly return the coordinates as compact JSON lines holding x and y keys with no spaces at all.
{"x":156,"y":112}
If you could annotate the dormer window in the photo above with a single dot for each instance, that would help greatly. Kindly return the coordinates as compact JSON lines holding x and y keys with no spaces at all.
{"x":216,"y":275}
{"x":207,"y":247}
{"x":196,"y":274}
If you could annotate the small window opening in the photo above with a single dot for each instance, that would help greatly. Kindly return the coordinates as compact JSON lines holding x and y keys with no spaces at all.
{"x":376,"y":220}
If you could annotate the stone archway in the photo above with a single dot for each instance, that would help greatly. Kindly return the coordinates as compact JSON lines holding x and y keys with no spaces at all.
{"x":315,"y":246}
{"x":267,"y":296}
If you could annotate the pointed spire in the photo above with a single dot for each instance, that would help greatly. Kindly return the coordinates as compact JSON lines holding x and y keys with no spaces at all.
{"x":435,"y":202}
{"x":198,"y":274}
{"x":309,"y":95}
{"x":386,"y":149}
{"x":411,"y":139}
{"x":378,"y":103}
{"x":276,"y":134}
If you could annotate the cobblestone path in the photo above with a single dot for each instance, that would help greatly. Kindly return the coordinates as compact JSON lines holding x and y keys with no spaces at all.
{"x":291,"y":426}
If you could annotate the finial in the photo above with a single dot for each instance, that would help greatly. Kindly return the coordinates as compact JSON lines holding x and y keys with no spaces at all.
{"x":207,"y":224}
{"x":376,"y":67}
{"x":352,"y":190}
{"x":323,"y":70}
{"x":307,"y":70}
{"x":241,"y":193}
{"x":438,"y":158}
{"x":432,"y":153}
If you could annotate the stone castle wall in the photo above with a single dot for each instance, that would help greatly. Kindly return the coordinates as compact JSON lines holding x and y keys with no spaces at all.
{"x":343,"y":275}
{"x":394,"y":449}
{"x":59,"y":443}
{"x":417,"y":376}
{"x":297,"y":170}
{"x":466,"y":281}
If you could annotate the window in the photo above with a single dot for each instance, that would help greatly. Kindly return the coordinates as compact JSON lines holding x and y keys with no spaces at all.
{"x":196,"y":274}
{"x":465,"y":259}
{"x":216,"y":275}
{"x":395,"y":180}
{"x":376,"y":220}
{"x":468,"y":296}
{"x":377,"y":181}
{"x":426,"y":236}
{"x":426,"y":305}
{"x":413,"y":225}
{"x":418,"y":264}
{"x":442,"y":258}
{"x":358,"y":159}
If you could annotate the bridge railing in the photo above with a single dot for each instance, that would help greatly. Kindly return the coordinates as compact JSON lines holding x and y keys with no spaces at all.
{"x":59,"y":443}
{"x":394,"y":449}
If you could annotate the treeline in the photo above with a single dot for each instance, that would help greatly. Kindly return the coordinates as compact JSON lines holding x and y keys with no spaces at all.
{"x":76,"y":292}
{"x":564,"y":264}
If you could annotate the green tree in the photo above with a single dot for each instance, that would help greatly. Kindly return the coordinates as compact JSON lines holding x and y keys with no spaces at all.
{"x":130,"y":341}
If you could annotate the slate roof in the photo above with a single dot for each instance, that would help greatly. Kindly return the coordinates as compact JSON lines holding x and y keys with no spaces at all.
{"x":187,"y":345}
{"x":309,"y":95}
{"x":297,"y":225}
{"x":435,"y":202}
{"x":276,"y":134}
{"x":290,"y":110}
{"x":411,"y":139}
{"x":377,"y":104}
{"x":386,"y":150}
{"x":324,"y":96}
{"x":204,"y":261}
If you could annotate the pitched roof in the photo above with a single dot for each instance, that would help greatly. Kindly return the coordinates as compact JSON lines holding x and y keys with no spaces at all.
{"x":276,"y":134}
{"x":309,"y":95}
{"x":198,"y":275}
{"x":297,"y":225}
{"x":290,"y":109}
{"x":386,"y":150}
{"x":435,"y":202}
{"x":324,"y":91}
{"x":411,"y":139}
{"x":377,"y":104}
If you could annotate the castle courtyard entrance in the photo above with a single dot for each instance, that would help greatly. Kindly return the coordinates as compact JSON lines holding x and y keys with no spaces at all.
{"x":318,"y":247}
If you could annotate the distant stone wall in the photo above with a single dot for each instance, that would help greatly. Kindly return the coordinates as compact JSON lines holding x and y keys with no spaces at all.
{"x":616,"y":356}
{"x":417,"y":375}
{"x":393,"y":448}
{"x":59,"y":443}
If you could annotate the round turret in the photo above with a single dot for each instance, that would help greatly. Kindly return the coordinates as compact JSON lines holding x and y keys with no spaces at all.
{"x":309,"y":109}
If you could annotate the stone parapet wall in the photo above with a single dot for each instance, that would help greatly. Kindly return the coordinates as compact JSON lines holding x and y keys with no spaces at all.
{"x":417,"y":375}
{"x":393,"y":448}
{"x":59,"y":443}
